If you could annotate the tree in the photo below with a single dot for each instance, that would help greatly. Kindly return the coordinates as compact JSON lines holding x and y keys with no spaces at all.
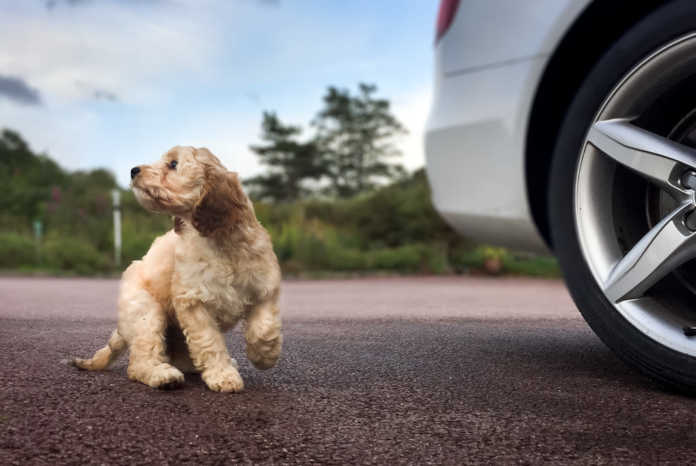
{"x":26,"y":178}
{"x":290,"y":162}
{"x":355,"y":136}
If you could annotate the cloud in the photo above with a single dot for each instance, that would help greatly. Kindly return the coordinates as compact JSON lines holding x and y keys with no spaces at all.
{"x":133,"y":59}
{"x":50,"y":4}
{"x":101,"y":94}
{"x":15,"y":89}
{"x":412,"y":110}
{"x":97,"y":93}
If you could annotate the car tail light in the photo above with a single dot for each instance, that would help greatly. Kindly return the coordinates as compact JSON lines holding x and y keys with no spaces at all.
{"x":448,"y":8}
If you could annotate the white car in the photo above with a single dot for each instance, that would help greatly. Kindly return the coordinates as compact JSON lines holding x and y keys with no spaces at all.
{"x":570,"y":125}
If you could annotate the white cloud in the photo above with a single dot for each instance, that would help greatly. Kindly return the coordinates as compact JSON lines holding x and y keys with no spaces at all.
{"x":108,"y":45}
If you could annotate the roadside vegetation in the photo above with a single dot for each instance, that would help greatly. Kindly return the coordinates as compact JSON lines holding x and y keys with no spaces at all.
{"x":336,"y":202}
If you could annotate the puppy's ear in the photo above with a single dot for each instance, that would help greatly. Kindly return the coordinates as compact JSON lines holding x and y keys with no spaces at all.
{"x":203,"y":155}
{"x":222,"y":205}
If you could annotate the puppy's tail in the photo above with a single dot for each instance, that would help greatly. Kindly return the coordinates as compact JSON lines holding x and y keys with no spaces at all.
{"x":104,"y":356}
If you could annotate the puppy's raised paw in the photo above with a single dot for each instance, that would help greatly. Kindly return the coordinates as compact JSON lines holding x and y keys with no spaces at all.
{"x":226,"y":379}
{"x":166,"y":377}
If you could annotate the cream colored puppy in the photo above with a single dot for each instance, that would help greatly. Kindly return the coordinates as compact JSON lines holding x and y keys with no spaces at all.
{"x":215,"y":268}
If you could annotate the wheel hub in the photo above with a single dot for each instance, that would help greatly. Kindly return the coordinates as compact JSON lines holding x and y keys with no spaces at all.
{"x":628,"y":266}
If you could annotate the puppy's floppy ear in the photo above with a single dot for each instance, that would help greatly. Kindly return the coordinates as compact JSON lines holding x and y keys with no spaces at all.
{"x":207,"y":158}
{"x":223,"y":203}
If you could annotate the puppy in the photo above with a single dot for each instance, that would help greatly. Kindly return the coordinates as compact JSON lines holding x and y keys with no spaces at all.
{"x":215,"y":268}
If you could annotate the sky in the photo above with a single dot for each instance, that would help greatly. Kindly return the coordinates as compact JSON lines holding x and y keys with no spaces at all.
{"x":116,"y":83}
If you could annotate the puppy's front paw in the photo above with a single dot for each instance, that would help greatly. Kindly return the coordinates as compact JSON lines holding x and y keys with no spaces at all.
{"x":225,"y":379}
{"x":165,"y":376}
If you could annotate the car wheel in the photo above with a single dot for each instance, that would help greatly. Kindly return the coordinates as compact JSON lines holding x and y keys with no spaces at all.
{"x":622,"y":196}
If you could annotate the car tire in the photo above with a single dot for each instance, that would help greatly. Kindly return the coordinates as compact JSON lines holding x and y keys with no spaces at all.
{"x":667,"y":364}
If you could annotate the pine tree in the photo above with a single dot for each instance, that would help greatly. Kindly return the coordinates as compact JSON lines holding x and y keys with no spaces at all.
{"x":290,"y":162}
{"x":355,"y":136}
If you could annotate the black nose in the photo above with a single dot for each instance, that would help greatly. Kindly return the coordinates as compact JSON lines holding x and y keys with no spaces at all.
{"x":134,"y":172}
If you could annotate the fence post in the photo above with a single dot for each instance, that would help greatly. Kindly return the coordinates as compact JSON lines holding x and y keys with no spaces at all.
{"x":116,"y":196}
{"x":38,"y":233}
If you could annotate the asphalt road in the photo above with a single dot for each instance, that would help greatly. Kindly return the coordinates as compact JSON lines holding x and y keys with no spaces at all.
{"x":378,"y":371}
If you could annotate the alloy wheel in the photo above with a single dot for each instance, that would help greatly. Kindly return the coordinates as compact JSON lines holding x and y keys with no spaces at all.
{"x":635,"y":196}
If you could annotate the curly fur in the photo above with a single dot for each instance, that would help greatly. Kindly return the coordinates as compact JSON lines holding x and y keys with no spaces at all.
{"x":213,"y":269}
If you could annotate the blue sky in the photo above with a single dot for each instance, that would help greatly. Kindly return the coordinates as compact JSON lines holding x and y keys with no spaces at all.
{"x":107,"y":83}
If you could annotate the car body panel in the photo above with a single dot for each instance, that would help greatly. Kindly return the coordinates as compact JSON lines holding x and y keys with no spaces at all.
{"x":488,"y":68}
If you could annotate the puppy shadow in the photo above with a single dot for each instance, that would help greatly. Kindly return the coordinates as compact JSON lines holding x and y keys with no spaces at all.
{"x":192,"y":381}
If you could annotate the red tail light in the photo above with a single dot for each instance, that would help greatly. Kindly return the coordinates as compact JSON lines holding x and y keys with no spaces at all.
{"x":448,"y":8}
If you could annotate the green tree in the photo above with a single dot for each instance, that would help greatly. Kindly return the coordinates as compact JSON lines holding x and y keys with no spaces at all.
{"x":355,"y":135}
{"x":26,"y":179}
{"x":290,"y":163}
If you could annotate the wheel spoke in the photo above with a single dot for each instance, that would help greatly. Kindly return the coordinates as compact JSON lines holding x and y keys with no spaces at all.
{"x":665,"y":247}
{"x":657,"y":158}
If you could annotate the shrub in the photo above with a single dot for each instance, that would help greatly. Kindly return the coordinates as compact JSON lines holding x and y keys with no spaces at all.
{"x":72,"y":254}
{"x":426,"y":258}
{"x":345,"y":259}
{"x":526,"y":264}
{"x":465,"y":258}
{"x":16,"y":250}
{"x":407,"y":258}
{"x":135,"y":246}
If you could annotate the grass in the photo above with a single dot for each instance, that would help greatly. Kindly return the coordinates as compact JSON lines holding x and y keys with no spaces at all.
{"x":537,"y":266}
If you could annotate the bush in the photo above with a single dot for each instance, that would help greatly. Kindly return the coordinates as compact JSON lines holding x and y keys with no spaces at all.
{"x":463,"y":259}
{"x":134,"y":247}
{"x":536,"y":266}
{"x":16,"y":250}
{"x":406,"y":258}
{"x":75,"y":255}
{"x":425,"y":258}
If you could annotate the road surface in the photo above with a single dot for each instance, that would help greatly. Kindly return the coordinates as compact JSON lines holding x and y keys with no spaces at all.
{"x":375,"y":371}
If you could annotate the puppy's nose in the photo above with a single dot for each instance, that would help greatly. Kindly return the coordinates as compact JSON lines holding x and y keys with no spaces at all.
{"x":134,"y":172}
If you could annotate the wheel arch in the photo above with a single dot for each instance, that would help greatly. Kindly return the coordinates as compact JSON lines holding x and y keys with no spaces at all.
{"x":597,"y":27}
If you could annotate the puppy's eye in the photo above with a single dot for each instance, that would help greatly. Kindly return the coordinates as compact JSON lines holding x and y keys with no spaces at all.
{"x":172,"y":164}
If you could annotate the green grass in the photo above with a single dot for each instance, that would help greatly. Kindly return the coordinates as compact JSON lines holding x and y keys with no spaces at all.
{"x":535,"y":266}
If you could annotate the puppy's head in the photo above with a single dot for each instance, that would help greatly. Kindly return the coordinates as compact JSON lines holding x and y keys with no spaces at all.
{"x":192,"y":183}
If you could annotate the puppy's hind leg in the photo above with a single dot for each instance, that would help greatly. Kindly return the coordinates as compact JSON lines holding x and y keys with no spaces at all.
{"x":105,"y":356}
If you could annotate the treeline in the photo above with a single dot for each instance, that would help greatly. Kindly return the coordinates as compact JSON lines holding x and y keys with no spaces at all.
{"x":351,"y":150}
{"x":335,"y":200}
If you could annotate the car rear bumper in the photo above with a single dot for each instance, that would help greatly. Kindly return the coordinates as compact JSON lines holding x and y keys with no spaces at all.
{"x":474,"y":145}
